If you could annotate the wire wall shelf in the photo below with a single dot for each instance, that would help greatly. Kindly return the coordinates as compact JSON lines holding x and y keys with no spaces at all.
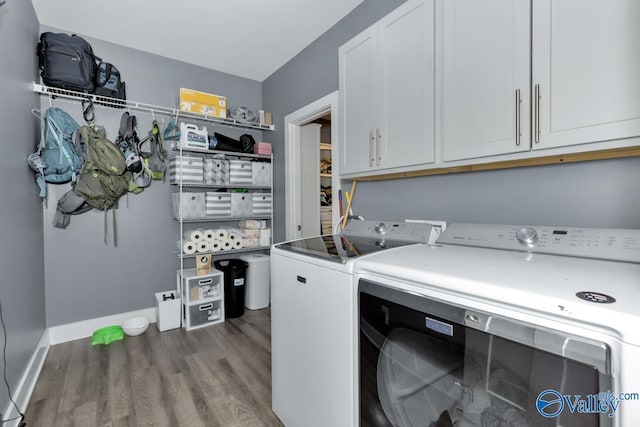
{"x":226,"y":252}
{"x":226,"y":218}
{"x":54,"y":93}
{"x":175,"y":152}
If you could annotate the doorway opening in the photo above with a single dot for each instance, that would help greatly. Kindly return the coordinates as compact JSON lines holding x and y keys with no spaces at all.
{"x":311,"y":163}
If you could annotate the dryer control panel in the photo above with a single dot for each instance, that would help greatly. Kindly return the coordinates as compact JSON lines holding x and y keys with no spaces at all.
{"x":598,"y":243}
{"x":389,"y":230}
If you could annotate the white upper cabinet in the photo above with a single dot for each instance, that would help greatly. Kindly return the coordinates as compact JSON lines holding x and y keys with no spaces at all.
{"x":356,"y":100}
{"x":491,"y":81}
{"x":387,"y":92}
{"x":586,"y":69}
{"x":406,"y":99}
{"x":486,"y":81}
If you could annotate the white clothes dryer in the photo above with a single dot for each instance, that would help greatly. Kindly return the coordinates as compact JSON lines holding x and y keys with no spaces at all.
{"x":502,"y":325}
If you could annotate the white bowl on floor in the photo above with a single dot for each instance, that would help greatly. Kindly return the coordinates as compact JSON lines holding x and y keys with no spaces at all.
{"x":135,"y":326}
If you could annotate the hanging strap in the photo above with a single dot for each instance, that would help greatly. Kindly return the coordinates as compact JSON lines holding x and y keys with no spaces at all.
{"x":131,"y":127}
{"x":127,"y":126}
{"x":105,"y":226}
{"x":88,"y":111}
{"x":43,"y":124}
{"x":157,"y":138}
{"x":80,"y":145}
{"x":35,"y":160}
{"x":123,"y":124}
{"x":115,"y":229}
{"x":172,"y":131}
{"x":115,"y":232}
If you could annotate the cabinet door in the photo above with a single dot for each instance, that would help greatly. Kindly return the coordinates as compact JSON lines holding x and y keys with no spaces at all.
{"x":356,"y":65}
{"x":405,"y":134}
{"x":486,"y":63}
{"x":311,"y":344}
{"x":586,"y":61}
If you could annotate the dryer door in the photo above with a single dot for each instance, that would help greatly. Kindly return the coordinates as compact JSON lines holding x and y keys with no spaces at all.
{"x":428,"y":363}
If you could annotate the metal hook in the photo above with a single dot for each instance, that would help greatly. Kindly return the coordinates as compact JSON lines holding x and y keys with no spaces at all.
{"x":36,"y":112}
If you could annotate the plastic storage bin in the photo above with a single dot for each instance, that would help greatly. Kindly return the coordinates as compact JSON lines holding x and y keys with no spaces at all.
{"x":258,"y":281}
{"x":202,"y":297}
{"x":167,"y":310}
{"x":202,"y":314}
{"x":235,"y":271}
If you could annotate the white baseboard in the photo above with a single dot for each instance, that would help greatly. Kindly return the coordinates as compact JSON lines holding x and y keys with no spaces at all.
{"x":22,"y":393}
{"x":86,"y":328}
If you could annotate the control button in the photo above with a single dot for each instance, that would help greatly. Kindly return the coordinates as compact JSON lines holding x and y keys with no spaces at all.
{"x":381,"y":244}
{"x":380,"y":228}
{"x":527,"y":235}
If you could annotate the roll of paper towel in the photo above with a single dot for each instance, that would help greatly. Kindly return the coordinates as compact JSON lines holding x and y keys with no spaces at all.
{"x":221,"y":234}
{"x":187,"y":247}
{"x":237,"y":244}
{"x":216,"y":246}
{"x":203,"y":247}
{"x":193,"y":235}
{"x":233,"y":233}
{"x":226,"y":244}
{"x":209,"y":235}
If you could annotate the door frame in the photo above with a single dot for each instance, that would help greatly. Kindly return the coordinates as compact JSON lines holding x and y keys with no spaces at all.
{"x":292,"y":124}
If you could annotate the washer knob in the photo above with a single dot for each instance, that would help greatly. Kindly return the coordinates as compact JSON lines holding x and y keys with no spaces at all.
{"x":380,"y":228}
{"x":527,"y":235}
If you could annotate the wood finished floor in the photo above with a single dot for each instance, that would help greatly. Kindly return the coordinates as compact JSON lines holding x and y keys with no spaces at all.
{"x":214,"y":376}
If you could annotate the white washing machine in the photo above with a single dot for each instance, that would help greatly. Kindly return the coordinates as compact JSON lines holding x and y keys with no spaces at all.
{"x":313,"y":318}
{"x":502,"y":325}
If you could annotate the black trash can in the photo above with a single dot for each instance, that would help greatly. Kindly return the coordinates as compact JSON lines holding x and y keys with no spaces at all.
{"x":235,"y":272}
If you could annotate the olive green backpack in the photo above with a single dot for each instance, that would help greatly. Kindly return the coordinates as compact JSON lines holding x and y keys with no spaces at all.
{"x":104,"y":177}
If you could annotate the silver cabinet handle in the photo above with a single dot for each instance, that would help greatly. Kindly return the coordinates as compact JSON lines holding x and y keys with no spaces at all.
{"x":537,"y":113}
{"x":371,"y":156}
{"x":378,"y":153}
{"x":518,"y":124}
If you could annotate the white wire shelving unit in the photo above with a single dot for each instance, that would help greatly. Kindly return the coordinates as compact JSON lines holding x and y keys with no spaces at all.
{"x":175,"y":113}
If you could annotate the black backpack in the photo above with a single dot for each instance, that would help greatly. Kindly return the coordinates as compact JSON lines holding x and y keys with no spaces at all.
{"x":109,"y":83}
{"x":67,"y":62}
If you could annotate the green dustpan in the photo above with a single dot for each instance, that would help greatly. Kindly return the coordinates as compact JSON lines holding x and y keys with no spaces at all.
{"x":107,"y":335}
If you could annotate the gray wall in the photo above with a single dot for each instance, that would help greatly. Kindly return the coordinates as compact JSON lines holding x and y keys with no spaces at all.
{"x":590,"y":194}
{"x":310,"y":75}
{"x":21,"y":264}
{"x":85,"y":278}
{"x":599,"y":193}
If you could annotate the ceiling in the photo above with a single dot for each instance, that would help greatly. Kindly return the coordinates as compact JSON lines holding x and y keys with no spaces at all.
{"x":247,"y":38}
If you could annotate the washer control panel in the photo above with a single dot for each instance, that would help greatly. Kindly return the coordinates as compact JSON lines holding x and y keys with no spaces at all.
{"x":399,"y":231}
{"x":599,"y":243}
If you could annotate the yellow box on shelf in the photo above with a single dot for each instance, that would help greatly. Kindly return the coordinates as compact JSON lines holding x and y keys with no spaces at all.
{"x":203,"y":103}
